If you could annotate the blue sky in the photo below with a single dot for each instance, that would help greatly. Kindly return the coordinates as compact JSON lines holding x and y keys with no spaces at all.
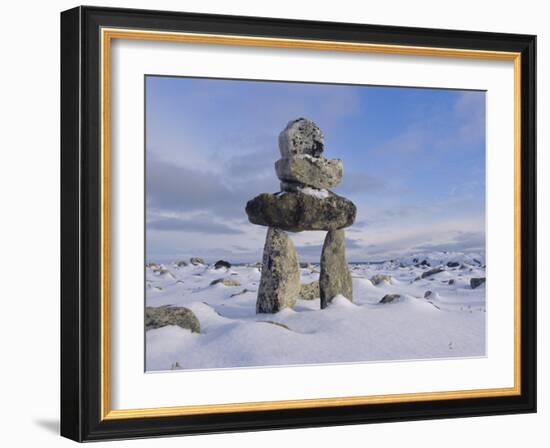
{"x":414,"y":164}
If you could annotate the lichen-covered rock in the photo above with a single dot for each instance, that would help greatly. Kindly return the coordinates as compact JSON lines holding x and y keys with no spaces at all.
{"x":162,"y":316}
{"x":298,"y":211}
{"x":379,"y":278}
{"x":335,"y":277}
{"x":476,"y":282}
{"x":280,"y":280}
{"x":301,"y":136}
{"x":389,"y":298}
{"x":310,"y":291}
{"x":196,"y":261}
{"x":226,"y":282}
{"x":316,"y":172}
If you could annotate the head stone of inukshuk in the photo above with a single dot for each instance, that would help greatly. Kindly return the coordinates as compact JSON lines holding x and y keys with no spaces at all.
{"x":304,"y":203}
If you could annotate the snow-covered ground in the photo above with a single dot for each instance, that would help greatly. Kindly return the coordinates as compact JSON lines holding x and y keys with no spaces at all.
{"x":448,"y":322}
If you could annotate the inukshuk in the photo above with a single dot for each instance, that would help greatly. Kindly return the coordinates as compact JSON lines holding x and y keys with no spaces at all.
{"x":304,"y":203}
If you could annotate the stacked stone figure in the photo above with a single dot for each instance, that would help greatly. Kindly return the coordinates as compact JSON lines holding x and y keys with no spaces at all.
{"x":304,"y":203}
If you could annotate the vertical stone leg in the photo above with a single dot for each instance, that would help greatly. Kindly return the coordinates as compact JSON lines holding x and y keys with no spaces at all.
{"x":335,"y":277}
{"x":280,"y":281}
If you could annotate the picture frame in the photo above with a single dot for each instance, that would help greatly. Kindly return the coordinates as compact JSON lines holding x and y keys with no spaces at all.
{"x":86,"y":207}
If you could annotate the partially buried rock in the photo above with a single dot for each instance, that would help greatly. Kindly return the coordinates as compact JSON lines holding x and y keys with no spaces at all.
{"x":389,"y":298}
{"x":476,"y":282}
{"x":157,"y":317}
{"x":196,"y":261}
{"x":280,"y":281}
{"x":379,"y":278}
{"x":453,"y":264}
{"x":240,"y":293}
{"x":226,"y":282}
{"x":335,"y":277}
{"x":310,"y":291}
{"x":222,"y":264}
{"x":301,"y":136}
{"x":298,"y":211}
{"x":311,"y":171}
{"x":432,"y":272}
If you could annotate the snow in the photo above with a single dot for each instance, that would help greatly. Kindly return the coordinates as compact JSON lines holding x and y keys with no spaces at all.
{"x":449,"y":322}
{"x":318,"y":193}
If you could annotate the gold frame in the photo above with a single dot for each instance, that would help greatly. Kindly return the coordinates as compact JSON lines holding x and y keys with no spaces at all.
{"x":107,"y":35}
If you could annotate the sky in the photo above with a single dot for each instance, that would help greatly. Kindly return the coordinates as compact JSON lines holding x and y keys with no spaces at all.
{"x":414,"y":165}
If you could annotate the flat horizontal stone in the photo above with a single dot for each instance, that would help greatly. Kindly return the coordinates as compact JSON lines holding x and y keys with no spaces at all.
{"x":316,"y":172}
{"x":298,"y":211}
{"x":301,"y":136}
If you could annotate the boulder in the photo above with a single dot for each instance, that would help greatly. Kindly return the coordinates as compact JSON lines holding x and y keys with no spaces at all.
{"x":196,"y":261}
{"x":475,"y":282}
{"x":453,"y":264}
{"x":222,"y":264}
{"x":316,"y":172}
{"x":298,"y":211}
{"x":310,"y":291}
{"x":379,"y":278}
{"x":157,"y":317}
{"x":335,"y":277}
{"x":280,"y":281}
{"x":301,"y":136}
{"x":226,"y":282}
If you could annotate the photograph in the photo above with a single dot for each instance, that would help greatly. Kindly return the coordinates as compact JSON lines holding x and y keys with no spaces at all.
{"x":300,"y":223}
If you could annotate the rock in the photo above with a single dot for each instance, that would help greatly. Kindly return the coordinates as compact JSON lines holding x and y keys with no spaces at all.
{"x":196,"y":261}
{"x":279,"y":324}
{"x":298,"y":211}
{"x":222,"y":264}
{"x":280,"y":280}
{"x":432,"y":272}
{"x":452,"y":281}
{"x":226,"y":282}
{"x":379,"y":278}
{"x":389,"y":298}
{"x":310,"y":291}
{"x":453,"y":264}
{"x":244,"y":291}
{"x":153,"y":266}
{"x":428,"y":294}
{"x":424,"y":263}
{"x":475,"y":282}
{"x":157,"y":317}
{"x":181,"y":264}
{"x":316,"y":172}
{"x":301,"y":136}
{"x":335,"y":277}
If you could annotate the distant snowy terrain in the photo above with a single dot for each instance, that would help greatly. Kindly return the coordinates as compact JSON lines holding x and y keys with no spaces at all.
{"x":437,"y":315}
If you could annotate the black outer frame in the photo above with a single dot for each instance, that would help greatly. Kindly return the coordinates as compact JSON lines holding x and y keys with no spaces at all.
{"x":80,"y":224}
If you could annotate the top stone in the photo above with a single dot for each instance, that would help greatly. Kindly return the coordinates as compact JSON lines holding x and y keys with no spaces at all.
{"x":301,"y":136}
